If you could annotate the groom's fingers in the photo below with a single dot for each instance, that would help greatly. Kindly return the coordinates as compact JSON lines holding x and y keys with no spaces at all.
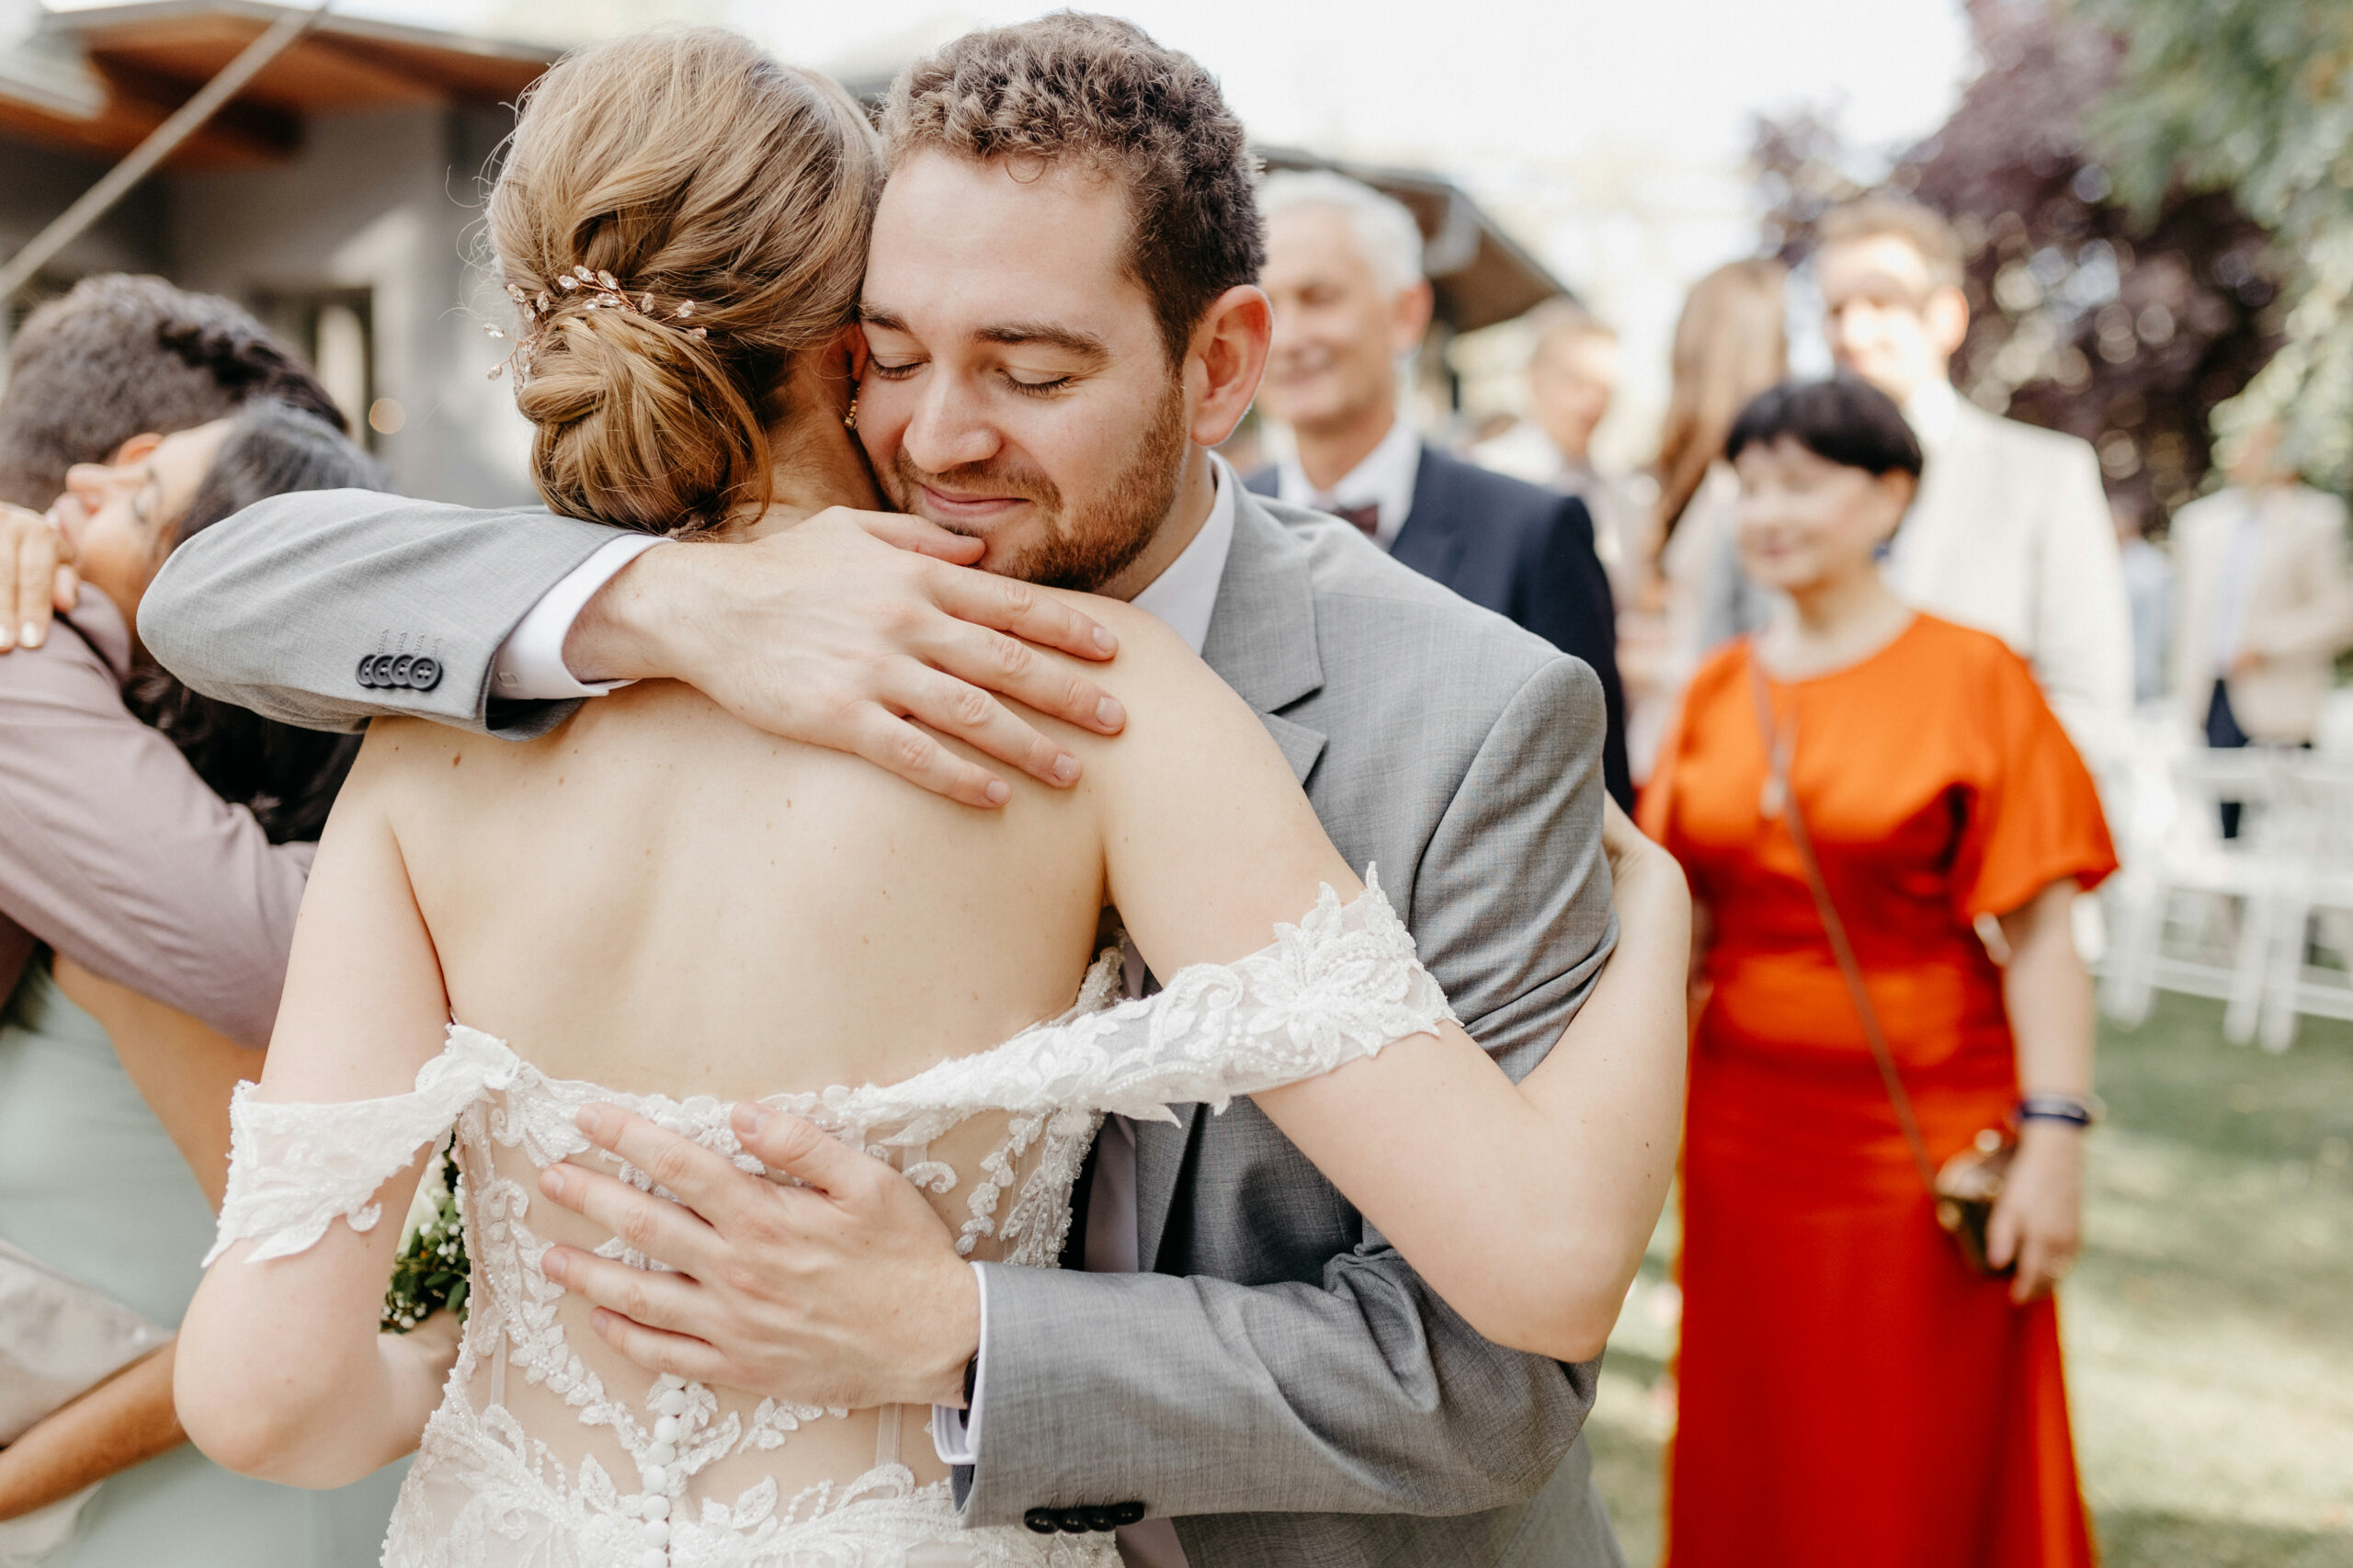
{"x":654,"y":1226}
{"x":791,"y":1146}
{"x":660,"y":1300}
{"x":658,"y":1352}
{"x":704,"y":1181}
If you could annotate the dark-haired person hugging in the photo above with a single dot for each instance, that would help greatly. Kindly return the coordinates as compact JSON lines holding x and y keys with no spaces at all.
{"x":1856,"y":792}
{"x":154,"y":848}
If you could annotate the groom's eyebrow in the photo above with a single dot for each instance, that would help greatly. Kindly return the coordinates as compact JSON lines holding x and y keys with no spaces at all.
{"x":1070,"y":340}
{"x":1084,"y":344}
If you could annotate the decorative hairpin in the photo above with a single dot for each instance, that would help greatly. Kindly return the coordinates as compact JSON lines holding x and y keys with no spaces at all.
{"x":605,"y":293}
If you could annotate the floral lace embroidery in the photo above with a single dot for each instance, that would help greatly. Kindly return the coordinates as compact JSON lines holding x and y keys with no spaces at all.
{"x":1341,"y":984}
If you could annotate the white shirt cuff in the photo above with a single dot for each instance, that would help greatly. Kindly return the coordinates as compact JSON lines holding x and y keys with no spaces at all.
{"x":529,"y":665}
{"x":956,"y":1434}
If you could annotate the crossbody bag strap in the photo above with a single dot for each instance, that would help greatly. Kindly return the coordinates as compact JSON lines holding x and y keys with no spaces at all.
{"x":1780,"y":800}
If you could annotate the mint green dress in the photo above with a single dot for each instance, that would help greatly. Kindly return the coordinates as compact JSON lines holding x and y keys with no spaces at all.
{"x":90,"y":1184}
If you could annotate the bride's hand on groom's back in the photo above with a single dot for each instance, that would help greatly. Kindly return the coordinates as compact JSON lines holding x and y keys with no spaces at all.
{"x":862,"y":632}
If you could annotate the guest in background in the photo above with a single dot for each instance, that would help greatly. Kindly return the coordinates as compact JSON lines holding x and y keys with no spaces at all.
{"x":1573,"y":371}
{"x":1730,"y":344}
{"x":1853,"y":1392}
{"x":154,"y":847}
{"x":2264,"y":604}
{"x":115,"y":356}
{"x":2010,"y":533}
{"x":2148,"y":590}
{"x":1344,"y":270}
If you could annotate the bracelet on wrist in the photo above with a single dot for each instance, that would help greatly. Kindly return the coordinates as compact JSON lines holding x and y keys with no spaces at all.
{"x":2083,"y":1112}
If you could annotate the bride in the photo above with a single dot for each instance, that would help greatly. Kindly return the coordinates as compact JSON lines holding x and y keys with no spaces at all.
{"x":660,"y":907}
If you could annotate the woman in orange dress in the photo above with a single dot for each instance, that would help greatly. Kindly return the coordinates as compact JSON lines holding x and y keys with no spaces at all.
{"x":1852,"y":1393}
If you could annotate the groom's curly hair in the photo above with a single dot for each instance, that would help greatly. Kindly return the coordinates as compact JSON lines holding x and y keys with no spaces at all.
{"x":1093,"y":88}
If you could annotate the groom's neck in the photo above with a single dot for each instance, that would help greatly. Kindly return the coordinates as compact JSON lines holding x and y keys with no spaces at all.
{"x":1196,"y":496}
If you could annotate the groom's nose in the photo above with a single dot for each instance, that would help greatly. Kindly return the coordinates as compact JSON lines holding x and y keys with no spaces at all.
{"x":949,"y":427}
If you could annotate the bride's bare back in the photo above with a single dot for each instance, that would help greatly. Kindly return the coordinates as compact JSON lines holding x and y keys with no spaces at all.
{"x":658,"y":897}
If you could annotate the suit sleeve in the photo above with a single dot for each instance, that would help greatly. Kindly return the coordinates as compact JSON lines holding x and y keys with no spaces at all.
{"x":274,"y":609}
{"x":2083,"y":618}
{"x":1570,"y":605}
{"x":1363,"y":1392}
{"x":115,"y":854}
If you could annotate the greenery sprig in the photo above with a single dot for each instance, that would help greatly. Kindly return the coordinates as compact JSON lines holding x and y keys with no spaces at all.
{"x":431,"y":1271}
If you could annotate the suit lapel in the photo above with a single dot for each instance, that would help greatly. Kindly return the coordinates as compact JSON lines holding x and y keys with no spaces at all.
{"x":1433,"y":538}
{"x":1262,"y":642}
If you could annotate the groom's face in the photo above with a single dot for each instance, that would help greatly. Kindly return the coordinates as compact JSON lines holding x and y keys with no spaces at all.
{"x":1017,"y":389}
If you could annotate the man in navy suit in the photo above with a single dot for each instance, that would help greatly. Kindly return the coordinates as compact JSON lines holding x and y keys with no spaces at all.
{"x":1344,"y":270}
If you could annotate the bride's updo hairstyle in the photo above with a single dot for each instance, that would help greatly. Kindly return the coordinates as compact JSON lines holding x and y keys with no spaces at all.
{"x":726,"y":198}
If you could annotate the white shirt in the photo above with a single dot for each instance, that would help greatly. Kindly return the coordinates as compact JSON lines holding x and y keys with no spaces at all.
{"x":1384,"y":479}
{"x":529,"y":665}
{"x":2240,"y":548}
{"x":1931,"y":411}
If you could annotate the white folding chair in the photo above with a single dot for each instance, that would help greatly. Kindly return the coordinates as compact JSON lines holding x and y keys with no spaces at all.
{"x":2176,"y":861}
{"x":2315,"y":855}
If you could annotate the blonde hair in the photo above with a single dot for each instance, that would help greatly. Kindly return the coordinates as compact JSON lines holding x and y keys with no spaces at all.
{"x":1930,"y":234}
{"x":1730,"y":344}
{"x":696,"y":171}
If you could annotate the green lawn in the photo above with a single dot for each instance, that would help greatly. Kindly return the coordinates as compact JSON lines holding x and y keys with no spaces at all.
{"x":2208,"y":1328}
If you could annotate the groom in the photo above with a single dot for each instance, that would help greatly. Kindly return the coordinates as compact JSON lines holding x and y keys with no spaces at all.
{"x":1062,"y":319}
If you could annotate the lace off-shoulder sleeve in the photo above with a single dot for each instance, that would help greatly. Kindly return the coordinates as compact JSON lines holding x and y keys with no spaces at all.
{"x":1340,"y":985}
{"x":294,"y":1168}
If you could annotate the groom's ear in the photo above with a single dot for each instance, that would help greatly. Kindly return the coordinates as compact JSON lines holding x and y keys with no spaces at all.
{"x":1225,"y":360}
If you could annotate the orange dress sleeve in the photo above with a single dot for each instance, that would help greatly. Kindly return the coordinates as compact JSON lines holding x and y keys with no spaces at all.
{"x":2035,"y":816}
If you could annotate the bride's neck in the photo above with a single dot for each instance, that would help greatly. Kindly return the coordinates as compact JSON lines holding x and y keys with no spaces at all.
{"x":817,"y":464}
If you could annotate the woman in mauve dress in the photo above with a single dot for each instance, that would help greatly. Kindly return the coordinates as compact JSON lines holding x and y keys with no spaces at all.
{"x":1852,"y":1392}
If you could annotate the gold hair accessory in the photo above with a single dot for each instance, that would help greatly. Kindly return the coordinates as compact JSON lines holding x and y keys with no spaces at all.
{"x":605,"y":293}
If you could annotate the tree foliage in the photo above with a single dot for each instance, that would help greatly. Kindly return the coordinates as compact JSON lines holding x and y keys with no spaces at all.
{"x":2254,"y":98}
{"x":2124,"y":325}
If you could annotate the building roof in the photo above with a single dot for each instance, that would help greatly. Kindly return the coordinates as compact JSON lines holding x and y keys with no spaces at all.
{"x":97,"y":81}
{"x":1479,"y":273}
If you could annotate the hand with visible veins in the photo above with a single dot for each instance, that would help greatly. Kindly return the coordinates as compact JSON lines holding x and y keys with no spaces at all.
{"x":857,"y":631}
{"x":847,"y":1290}
{"x":36,"y":577}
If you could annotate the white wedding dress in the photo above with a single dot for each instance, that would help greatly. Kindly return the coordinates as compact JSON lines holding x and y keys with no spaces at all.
{"x":552,"y":1451}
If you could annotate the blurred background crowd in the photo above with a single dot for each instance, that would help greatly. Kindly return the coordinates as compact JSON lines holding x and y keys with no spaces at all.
{"x":1530,"y":267}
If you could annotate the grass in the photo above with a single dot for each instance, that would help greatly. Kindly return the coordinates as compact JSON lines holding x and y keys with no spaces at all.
{"x":2209,"y":1327}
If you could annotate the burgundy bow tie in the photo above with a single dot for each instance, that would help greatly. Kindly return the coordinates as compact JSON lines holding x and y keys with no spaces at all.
{"x":1366,"y":517}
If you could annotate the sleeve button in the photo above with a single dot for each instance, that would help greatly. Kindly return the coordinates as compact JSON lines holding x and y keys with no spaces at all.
{"x":425,"y":674}
{"x":1125,"y":1514}
{"x":1041,"y":1520}
{"x":368,"y":669}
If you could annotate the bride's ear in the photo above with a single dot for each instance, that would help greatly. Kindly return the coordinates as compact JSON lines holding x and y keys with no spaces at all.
{"x":851,"y":346}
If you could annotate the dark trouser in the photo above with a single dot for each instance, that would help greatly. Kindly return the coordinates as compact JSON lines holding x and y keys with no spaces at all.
{"x":2223,"y":730}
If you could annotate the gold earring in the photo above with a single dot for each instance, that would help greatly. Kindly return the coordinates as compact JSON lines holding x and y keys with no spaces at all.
{"x":849,"y":420}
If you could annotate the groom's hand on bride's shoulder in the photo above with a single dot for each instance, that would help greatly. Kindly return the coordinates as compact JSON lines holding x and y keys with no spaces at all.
{"x":845,"y":1291}
{"x":862,"y":632}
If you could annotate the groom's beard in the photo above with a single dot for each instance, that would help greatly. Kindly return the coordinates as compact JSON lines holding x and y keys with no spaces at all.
{"x":1081,"y":551}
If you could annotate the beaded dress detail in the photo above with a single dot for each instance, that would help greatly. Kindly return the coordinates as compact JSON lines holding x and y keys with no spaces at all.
{"x":550,"y":1449}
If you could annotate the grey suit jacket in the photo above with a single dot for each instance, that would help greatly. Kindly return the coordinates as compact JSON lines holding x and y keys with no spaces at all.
{"x":1281,"y":1383}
